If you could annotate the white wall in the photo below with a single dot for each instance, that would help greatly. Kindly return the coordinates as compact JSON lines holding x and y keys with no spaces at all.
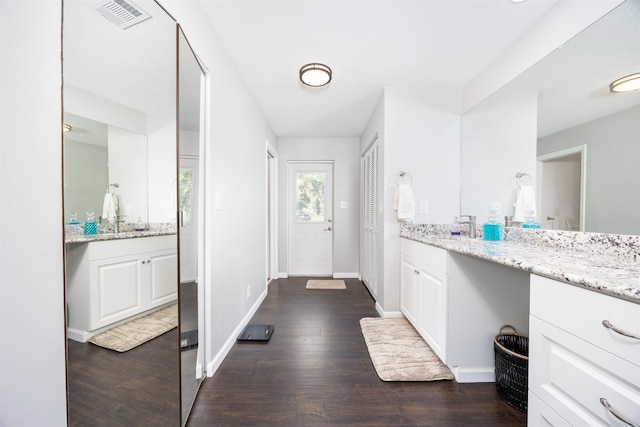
{"x":32,"y":332}
{"x":612,"y":199}
{"x":346,"y":187}
{"x":422,"y":134}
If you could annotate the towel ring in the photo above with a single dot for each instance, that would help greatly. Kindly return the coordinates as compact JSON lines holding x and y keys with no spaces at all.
{"x":404,"y":174}
{"x":522,"y":179}
{"x":116,"y":185}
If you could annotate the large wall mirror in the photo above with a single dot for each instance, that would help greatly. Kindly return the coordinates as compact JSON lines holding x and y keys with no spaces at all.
{"x":558,"y":128}
{"x":119,"y":102}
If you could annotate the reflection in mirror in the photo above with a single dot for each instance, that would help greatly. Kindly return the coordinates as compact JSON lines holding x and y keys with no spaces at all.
{"x":120,"y":80}
{"x":582,"y":147}
{"x":190,"y":113}
{"x":98,"y":156}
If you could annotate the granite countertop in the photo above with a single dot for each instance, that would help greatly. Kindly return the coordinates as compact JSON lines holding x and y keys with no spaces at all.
{"x":74,"y":233}
{"x":591,"y":267}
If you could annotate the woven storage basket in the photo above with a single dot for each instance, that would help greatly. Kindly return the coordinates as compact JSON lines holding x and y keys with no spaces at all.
{"x":512,"y":365}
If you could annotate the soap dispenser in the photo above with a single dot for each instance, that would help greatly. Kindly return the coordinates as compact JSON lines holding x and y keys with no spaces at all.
{"x":455,"y":229}
{"x":492,"y":230}
{"x":530,"y":221}
{"x":90,"y":225}
{"x":139,"y":225}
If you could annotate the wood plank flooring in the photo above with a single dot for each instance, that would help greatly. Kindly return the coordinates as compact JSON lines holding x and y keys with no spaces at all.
{"x":316,"y":371}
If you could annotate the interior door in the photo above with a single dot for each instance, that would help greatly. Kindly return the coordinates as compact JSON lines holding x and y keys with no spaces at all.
{"x":310,"y":214}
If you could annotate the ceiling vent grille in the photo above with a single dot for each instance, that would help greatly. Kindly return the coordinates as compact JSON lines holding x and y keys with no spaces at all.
{"x":122,"y":13}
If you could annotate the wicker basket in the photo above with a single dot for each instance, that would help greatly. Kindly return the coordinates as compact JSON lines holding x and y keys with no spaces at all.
{"x":512,"y":364}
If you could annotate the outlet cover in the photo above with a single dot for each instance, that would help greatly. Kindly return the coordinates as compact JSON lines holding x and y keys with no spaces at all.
{"x":424,"y":207}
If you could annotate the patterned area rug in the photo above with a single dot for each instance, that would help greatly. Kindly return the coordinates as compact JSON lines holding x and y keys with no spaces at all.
{"x":131,"y":334}
{"x":399,"y":353}
{"x":326,"y":284}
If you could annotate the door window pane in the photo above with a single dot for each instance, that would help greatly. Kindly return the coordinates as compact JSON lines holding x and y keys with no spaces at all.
{"x":310,"y":196}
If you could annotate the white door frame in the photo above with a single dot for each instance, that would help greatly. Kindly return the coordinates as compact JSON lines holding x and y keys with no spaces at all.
{"x":579,"y":149}
{"x":272,"y":213}
{"x":330,"y":215}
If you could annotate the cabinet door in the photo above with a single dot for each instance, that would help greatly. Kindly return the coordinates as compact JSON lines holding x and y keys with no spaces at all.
{"x":408,"y":297}
{"x":432,"y":294}
{"x":116,"y":289}
{"x":163,"y":276}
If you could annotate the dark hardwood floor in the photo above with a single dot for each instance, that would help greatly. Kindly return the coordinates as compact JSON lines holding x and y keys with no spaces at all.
{"x":316,"y":371}
{"x":140,"y":387}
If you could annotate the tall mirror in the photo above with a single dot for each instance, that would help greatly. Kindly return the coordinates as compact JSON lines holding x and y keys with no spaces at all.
{"x":558,"y":128}
{"x":120,"y":203}
{"x":190,"y":219}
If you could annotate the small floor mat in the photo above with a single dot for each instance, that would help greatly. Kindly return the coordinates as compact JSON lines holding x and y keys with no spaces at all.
{"x":399,"y":353}
{"x":326,"y":284}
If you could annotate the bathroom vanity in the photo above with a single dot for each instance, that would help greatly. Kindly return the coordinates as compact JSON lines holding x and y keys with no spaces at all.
{"x":113,"y":278}
{"x":576,"y":295}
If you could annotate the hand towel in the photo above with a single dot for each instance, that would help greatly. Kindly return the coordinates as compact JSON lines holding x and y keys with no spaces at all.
{"x":525,"y":204}
{"x":110,"y":207}
{"x":404,"y":203}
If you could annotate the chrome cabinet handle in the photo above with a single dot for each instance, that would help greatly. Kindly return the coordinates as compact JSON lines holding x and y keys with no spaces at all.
{"x":615,"y":413}
{"x":608,"y":325}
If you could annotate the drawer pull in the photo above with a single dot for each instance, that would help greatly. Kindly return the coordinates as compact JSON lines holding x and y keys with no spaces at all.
{"x":608,"y":325}
{"x":615,"y":413}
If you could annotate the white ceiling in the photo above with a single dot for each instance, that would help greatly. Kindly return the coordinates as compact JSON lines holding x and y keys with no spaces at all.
{"x":369,"y":44}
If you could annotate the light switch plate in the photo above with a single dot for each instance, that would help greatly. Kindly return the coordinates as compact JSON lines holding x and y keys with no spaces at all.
{"x":344,"y":204}
{"x":424,"y":207}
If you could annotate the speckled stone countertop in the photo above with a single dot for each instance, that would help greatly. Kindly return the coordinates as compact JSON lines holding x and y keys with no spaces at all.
{"x":74,"y":234}
{"x":605,"y":263}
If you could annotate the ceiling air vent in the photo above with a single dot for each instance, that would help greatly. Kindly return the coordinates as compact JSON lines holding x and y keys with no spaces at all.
{"x":124,"y":14}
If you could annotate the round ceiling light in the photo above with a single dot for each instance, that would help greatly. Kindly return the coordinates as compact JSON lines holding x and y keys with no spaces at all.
{"x":626,"y":84}
{"x":315,"y":74}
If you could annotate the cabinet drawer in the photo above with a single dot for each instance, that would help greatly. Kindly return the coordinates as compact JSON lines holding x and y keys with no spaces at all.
{"x":540,"y":415}
{"x":428,"y":255}
{"x":572,"y":376}
{"x":581,"y":313}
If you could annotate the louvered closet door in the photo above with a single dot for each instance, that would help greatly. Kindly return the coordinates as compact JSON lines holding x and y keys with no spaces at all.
{"x":370,"y":216}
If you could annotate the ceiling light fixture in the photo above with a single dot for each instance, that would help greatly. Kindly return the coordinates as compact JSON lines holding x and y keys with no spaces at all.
{"x":315,"y":74}
{"x":626,"y":84}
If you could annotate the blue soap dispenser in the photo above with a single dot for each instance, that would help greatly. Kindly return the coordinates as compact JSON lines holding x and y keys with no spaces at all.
{"x":492,"y":230}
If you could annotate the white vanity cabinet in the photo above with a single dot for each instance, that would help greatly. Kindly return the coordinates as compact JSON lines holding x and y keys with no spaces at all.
{"x":577,"y":365}
{"x":423,"y":292}
{"x":111,"y":281}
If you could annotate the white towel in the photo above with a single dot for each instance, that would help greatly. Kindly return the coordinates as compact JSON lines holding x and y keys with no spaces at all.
{"x":525,"y":204}
{"x":404,"y":203}
{"x":110,"y":207}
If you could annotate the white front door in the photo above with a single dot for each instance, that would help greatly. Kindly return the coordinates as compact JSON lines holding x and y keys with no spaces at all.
{"x":188,"y":220}
{"x":310,"y":213}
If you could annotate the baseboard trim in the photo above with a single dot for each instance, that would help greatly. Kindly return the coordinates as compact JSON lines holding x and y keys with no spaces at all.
{"x":283,"y":275}
{"x":388,"y":314}
{"x":78,"y":335}
{"x":345,"y":275}
{"x":217,"y":360}
{"x":473,"y":375}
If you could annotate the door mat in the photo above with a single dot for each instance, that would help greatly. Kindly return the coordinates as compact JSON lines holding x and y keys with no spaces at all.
{"x":131,"y":334}
{"x":399,"y":353}
{"x":326,"y":284}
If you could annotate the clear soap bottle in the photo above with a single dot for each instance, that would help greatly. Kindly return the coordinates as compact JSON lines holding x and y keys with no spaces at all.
{"x":455,"y":229}
{"x":492,"y":230}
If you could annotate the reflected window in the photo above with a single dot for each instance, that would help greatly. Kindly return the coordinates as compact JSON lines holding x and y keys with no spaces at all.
{"x":310,"y":205}
{"x":186,"y":193}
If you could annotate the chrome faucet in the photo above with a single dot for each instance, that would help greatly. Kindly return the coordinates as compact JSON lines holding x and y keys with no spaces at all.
{"x":116,"y":223}
{"x":472,"y":225}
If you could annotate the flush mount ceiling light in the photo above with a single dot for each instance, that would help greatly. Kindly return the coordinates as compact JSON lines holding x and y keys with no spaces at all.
{"x":626,"y":84}
{"x":315,"y":74}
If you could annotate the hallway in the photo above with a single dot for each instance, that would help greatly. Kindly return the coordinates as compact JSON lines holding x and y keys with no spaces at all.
{"x":316,"y":371}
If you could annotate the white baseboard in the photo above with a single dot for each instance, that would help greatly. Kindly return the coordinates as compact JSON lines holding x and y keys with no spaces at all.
{"x":215,"y":363}
{"x":283,"y":275}
{"x":474,"y":375}
{"x":78,"y":335}
{"x":345,"y":275}
{"x":388,"y":314}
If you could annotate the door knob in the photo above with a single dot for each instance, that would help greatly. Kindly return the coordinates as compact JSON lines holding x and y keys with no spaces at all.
{"x":328,"y":228}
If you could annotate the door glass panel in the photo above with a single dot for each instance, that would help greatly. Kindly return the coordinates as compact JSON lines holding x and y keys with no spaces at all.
{"x":310,"y":204}
{"x":186,"y":193}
